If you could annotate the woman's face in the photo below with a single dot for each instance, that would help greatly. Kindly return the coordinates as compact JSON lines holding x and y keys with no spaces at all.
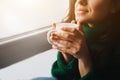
{"x":92,"y":11}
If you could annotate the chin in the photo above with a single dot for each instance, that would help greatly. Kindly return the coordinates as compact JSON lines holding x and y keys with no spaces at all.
{"x":81,"y":19}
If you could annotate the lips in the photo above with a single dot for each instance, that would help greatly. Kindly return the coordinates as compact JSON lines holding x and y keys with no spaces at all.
{"x":81,"y":11}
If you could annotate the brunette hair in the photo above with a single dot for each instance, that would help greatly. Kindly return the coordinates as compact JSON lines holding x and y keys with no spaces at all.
{"x":70,"y":15}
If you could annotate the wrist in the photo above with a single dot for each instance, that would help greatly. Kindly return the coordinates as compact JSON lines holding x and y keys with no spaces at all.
{"x":85,"y":65}
{"x":85,"y":62}
{"x":66,"y":57}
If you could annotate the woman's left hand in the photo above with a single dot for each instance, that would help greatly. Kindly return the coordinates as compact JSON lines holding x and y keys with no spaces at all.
{"x":73,"y":39}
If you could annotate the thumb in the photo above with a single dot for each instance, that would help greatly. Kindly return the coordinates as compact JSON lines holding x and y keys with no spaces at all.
{"x":54,"y":25}
{"x":79,"y":25}
{"x":74,"y":21}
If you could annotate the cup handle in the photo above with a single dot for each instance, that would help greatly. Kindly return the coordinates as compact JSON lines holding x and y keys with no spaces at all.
{"x":50,"y":41}
{"x":48,"y":36}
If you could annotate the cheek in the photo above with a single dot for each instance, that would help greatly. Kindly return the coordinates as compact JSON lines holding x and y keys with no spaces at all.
{"x":99,"y":11}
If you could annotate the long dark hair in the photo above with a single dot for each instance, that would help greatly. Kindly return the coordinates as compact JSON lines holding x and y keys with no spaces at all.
{"x":106,"y":42}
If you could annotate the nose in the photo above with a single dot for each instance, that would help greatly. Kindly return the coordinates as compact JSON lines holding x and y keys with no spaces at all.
{"x":83,"y":2}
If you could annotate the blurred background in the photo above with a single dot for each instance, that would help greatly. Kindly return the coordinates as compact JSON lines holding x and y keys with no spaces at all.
{"x":24,"y":50}
{"x":19,"y":16}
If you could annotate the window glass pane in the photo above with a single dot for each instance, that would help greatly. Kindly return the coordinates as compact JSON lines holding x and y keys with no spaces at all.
{"x":19,"y":16}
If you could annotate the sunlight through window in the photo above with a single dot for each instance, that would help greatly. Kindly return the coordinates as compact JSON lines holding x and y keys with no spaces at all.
{"x":19,"y":16}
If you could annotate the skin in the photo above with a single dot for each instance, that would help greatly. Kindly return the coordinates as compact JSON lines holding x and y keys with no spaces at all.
{"x":95,"y":12}
{"x":90,"y":12}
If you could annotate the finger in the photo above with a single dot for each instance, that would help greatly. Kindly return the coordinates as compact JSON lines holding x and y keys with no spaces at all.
{"x":79,"y":25}
{"x":68,"y":29}
{"x":70,"y":34}
{"x":74,"y":21}
{"x":66,"y":36}
{"x":75,"y":32}
{"x":53,"y":46}
{"x":53,"y":34}
{"x":54,"y":25}
{"x":70,"y":42}
{"x":71,"y":51}
{"x":55,"y":37}
{"x":63,"y":36}
{"x":64,"y":42}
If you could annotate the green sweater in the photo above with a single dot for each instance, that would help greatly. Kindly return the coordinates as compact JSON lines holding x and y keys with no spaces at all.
{"x":70,"y":71}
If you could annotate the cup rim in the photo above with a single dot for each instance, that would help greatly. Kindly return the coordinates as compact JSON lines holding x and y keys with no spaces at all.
{"x":68,"y":24}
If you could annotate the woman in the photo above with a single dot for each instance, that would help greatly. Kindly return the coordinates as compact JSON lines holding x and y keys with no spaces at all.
{"x":93,"y":51}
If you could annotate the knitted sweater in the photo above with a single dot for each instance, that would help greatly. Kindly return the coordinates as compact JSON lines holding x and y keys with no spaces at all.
{"x":70,"y":71}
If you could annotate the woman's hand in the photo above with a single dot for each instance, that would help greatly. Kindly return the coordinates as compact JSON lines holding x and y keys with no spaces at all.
{"x":73,"y":39}
{"x":76,"y":46}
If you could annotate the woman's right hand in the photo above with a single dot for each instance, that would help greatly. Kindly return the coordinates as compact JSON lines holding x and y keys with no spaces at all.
{"x":75,"y":46}
{"x":66,"y":56}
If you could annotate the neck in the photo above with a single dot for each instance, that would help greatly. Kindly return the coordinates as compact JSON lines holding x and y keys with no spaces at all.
{"x":99,"y":23}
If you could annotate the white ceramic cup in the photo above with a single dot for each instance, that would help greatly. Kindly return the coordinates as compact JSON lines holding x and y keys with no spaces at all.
{"x":58,"y":29}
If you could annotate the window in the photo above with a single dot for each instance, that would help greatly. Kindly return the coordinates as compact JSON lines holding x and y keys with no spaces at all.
{"x":19,"y":16}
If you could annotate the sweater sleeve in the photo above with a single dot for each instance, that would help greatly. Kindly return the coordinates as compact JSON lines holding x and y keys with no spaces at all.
{"x":63,"y":71}
{"x":69,"y":71}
